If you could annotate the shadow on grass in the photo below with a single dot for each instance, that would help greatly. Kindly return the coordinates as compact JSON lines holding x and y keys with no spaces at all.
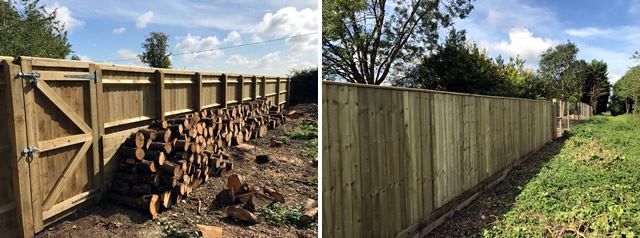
{"x":490,"y":205}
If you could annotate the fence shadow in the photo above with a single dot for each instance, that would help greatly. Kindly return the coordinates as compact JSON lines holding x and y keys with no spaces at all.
{"x":498,"y":200}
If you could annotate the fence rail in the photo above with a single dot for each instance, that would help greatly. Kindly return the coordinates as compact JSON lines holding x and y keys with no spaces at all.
{"x":78,"y":113}
{"x":396,"y":159}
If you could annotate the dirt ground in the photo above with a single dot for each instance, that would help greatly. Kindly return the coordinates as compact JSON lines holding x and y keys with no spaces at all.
{"x":283,"y":173}
{"x":486,"y":210}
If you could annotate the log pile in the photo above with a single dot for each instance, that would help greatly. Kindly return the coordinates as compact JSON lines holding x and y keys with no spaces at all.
{"x":160,"y":165}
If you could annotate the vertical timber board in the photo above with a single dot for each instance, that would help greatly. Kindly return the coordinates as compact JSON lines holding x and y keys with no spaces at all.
{"x":364,"y":175}
{"x":327,"y":189}
{"x":354,"y":156}
{"x":387,"y":215}
{"x":345,"y":159}
{"x":375,"y":156}
{"x":19,"y":165}
{"x":32,"y":140}
{"x":426,"y":147}
{"x":200,"y":98}
{"x":335,"y":226}
{"x":98,"y":172}
{"x":161,"y":94}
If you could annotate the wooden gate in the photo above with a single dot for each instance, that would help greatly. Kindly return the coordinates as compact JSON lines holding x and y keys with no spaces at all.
{"x":62,"y":136}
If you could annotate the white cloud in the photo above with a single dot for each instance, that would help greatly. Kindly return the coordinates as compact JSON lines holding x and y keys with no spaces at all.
{"x":84,"y":58}
{"x":522,"y":43}
{"x":198,"y":49}
{"x":585,"y":32}
{"x":233,"y":38}
{"x":130,"y":56}
{"x":238,"y":60}
{"x":266,"y":61}
{"x":119,"y":30}
{"x":63,"y":14}
{"x":288,"y":22}
{"x":144,"y":19}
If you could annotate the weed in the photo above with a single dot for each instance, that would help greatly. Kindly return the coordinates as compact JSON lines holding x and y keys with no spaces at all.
{"x":174,"y":232}
{"x":590,"y":188}
{"x":279,"y":215}
{"x":310,"y":149}
{"x":305,"y":131}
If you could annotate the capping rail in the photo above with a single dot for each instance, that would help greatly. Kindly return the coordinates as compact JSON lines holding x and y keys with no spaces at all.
{"x":64,"y":120}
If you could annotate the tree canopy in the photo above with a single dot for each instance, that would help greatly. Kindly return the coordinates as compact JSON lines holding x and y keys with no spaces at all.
{"x":562,"y":72}
{"x":596,"y":88}
{"x":363,"y":40}
{"x":458,"y":65}
{"x":28,"y":30}
{"x":156,"y":50}
{"x":627,"y":89}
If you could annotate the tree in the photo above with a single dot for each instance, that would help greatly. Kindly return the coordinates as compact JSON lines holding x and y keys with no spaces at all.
{"x":75,"y":57}
{"x":362,"y":42}
{"x":27,"y":29}
{"x":596,"y":87}
{"x":156,"y":48}
{"x":304,"y":86}
{"x":459,"y":66}
{"x":562,"y":73}
{"x":627,"y":88}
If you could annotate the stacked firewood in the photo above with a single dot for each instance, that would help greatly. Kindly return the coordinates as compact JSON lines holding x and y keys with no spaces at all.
{"x":160,"y":165}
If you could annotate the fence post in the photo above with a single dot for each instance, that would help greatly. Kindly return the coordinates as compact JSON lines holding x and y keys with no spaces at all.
{"x":224,"y":90}
{"x":200,"y":101}
{"x":288,"y":97}
{"x":161,"y":94}
{"x":241,"y":85}
{"x":18,"y":137}
{"x":264,"y":87}
{"x":278,"y":93}
{"x":98,"y":166}
{"x":254,"y":82}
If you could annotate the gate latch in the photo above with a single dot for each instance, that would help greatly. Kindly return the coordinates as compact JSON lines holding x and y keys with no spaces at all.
{"x":31,"y":76}
{"x":30,"y":151}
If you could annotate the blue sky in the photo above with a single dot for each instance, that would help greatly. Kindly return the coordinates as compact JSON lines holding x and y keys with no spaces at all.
{"x":112,"y":30}
{"x":605,"y":30}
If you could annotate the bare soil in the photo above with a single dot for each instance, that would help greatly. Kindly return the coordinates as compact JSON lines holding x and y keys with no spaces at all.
{"x":286,"y":166}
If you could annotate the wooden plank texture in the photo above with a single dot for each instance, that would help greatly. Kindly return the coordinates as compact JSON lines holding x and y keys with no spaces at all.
{"x":395,"y":159}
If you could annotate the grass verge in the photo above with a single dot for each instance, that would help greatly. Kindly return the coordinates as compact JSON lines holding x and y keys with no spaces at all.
{"x":590,"y":188}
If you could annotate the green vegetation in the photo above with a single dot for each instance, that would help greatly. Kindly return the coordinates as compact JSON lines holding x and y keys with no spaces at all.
{"x":310,"y":149}
{"x":278,"y":214}
{"x":627,"y":91}
{"x":172,"y":231}
{"x":30,"y":30}
{"x":362,"y":40}
{"x":304,"y":86}
{"x":305,"y":131}
{"x":590,"y":188}
{"x":156,"y":50}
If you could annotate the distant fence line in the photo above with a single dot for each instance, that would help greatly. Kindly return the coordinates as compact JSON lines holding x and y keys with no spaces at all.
{"x":395,"y":160}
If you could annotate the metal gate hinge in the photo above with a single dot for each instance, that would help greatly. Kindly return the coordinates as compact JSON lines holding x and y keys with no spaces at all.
{"x":30,"y":151}
{"x":31,"y":76}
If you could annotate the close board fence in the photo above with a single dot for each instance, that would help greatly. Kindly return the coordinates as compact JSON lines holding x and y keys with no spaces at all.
{"x":63,"y":122}
{"x":395,"y":160}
